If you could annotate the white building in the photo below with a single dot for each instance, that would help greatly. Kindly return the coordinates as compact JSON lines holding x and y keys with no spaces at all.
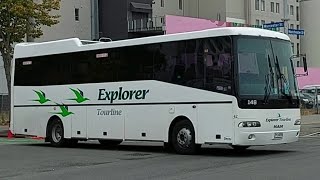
{"x":75,"y":21}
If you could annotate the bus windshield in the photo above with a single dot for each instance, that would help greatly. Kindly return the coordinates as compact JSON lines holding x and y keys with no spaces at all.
{"x":265,"y":73}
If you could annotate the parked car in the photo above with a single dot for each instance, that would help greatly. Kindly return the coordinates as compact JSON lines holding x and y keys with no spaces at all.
{"x":307,"y":100}
{"x":312,"y":90}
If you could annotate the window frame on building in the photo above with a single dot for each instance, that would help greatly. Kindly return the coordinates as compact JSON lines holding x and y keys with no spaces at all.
{"x":272,"y":7}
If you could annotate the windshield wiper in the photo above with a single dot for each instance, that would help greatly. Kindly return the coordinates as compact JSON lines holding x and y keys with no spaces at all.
{"x":283,"y":82}
{"x":269,"y":82}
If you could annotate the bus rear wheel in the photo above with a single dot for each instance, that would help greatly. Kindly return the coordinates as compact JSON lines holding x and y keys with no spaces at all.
{"x":105,"y":142}
{"x":183,"y":138}
{"x":56,"y":134}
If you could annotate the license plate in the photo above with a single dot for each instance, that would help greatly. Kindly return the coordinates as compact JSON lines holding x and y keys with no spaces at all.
{"x":278,"y":135}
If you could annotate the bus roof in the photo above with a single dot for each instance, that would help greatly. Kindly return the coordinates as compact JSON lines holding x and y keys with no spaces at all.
{"x":74,"y":44}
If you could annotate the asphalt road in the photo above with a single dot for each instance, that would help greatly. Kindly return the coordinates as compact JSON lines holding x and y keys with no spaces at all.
{"x":29,"y":159}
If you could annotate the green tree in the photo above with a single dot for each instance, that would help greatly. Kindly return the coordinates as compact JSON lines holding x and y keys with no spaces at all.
{"x":20,"y":19}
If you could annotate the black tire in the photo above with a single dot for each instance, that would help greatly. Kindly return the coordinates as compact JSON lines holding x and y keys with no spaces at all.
{"x":56,"y":133}
{"x":72,"y":142}
{"x":183,"y":138}
{"x":167,"y":147}
{"x":105,"y":142}
{"x":240,"y":148}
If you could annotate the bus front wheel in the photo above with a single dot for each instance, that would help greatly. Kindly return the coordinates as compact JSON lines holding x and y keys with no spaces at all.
{"x":183,"y":138}
{"x":56,"y":133}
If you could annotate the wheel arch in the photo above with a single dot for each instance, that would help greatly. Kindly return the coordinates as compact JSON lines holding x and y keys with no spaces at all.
{"x":174,"y":122}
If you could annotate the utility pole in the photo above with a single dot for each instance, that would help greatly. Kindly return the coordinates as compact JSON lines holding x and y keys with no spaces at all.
{"x":30,"y":27}
{"x":285,"y":17}
{"x":198,"y":8}
{"x":94,"y":19}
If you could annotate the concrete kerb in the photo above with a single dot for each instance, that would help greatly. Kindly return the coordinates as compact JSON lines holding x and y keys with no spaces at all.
{"x":4,"y":133}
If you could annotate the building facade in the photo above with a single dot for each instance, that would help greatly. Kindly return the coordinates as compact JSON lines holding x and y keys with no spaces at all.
{"x":208,"y":9}
{"x":252,"y":12}
{"x":269,"y":11}
{"x":75,"y":21}
{"x":221,"y":10}
{"x":310,"y":42}
{"x":123,"y":19}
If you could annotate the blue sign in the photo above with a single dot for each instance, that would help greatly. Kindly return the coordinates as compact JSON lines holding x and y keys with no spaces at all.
{"x":296,"y":32}
{"x":273,"y":25}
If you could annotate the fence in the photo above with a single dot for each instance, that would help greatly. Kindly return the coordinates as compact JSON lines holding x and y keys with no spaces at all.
{"x":146,"y":24}
{"x":4,"y":109}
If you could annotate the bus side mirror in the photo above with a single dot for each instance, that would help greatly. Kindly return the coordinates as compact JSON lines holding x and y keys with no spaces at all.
{"x":305,"y":66}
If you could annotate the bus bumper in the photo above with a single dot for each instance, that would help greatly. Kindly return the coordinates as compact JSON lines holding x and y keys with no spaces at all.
{"x":266,"y":138}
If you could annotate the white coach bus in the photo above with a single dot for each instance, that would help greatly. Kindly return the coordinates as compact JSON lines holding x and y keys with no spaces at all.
{"x":233,"y":86}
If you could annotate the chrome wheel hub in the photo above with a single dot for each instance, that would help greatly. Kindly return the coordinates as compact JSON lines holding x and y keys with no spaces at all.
{"x":184,"y":138}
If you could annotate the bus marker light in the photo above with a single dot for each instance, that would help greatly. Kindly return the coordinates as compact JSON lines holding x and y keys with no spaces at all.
{"x":249,"y":124}
{"x":102,"y":55}
{"x":251,"y":137}
{"x":25,"y":63}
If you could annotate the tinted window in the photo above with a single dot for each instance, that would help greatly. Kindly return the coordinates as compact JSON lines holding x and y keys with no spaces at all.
{"x":73,"y":68}
{"x":218,"y":65}
{"x":201,"y":63}
{"x":139,"y":61}
{"x":180,"y":63}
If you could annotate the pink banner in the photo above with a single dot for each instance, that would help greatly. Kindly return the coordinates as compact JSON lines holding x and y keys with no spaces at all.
{"x":179,"y":24}
{"x":312,"y":79}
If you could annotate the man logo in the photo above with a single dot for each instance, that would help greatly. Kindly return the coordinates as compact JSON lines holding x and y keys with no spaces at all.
{"x":278,"y":126}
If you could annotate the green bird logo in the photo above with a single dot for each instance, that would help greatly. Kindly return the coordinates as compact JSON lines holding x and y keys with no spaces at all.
{"x":64,"y":111}
{"x":79,"y":96}
{"x":42,"y":97}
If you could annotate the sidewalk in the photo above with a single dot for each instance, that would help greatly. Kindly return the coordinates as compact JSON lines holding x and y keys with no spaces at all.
{"x":310,"y":124}
{"x":310,"y":119}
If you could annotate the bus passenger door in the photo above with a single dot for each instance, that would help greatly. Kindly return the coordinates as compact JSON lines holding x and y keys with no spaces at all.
{"x":78,"y":121}
{"x":215,"y":119}
{"x":215,"y":123}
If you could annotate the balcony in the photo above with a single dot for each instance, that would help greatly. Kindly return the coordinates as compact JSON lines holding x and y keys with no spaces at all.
{"x":155,"y":25}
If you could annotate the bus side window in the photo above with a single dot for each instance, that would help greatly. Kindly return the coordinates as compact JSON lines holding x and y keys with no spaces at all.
{"x":218,"y":65}
{"x":139,"y":62}
{"x":180,"y":63}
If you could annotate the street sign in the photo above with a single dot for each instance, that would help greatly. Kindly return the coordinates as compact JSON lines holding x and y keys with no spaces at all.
{"x":296,"y":32}
{"x":273,"y":25}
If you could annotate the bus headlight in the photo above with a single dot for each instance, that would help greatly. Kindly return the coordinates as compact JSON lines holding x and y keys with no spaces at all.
{"x":249,"y":124}
{"x":297,"y":122}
